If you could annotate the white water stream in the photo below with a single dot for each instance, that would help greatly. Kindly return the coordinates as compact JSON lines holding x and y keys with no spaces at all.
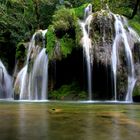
{"x":33,"y":77}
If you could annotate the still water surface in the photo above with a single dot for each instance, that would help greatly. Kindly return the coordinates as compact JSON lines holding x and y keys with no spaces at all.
{"x":69,"y":121}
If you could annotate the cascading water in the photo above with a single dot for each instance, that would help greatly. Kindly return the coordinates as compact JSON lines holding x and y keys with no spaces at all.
{"x":32,"y":80}
{"x":115,"y":56}
{"x":39,"y":77}
{"x":121,"y":35}
{"x":5,"y":83}
{"x":87,"y":47}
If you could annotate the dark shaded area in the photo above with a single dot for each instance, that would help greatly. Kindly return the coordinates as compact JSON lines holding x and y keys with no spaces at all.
{"x":60,"y":33}
{"x":67,"y":70}
{"x":136,"y":98}
{"x":135,"y":9}
{"x":136,"y":51}
{"x":102,"y":82}
{"x":74,"y":69}
{"x":7,"y":53}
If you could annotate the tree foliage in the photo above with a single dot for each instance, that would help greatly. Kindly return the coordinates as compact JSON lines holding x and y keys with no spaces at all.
{"x":19,"y":20}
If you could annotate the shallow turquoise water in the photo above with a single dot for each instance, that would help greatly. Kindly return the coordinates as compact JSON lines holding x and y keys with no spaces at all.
{"x":69,"y":121}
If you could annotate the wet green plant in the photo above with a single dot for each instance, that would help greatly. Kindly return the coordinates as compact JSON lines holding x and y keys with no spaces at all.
{"x":135,"y":24}
{"x":63,"y":20}
{"x":51,"y":40}
{"x":136,"y":91}
{"x":67,"y":44}
{"x":68,"y":92}
{"x":79,"y":11}
{"x":20,"y":50}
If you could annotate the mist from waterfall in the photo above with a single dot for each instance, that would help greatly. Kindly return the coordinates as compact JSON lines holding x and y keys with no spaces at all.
{"x":6,"y":90}
{"x":32,"y":80}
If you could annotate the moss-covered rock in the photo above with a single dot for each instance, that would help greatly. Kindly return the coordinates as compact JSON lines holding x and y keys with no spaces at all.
{"x":136,"y":92}
{"x":20,"y":50}
{"x":61,"y":34}
{"x":63,"y":21}
{"x":102,"y":32}
{"x":51,"y":41}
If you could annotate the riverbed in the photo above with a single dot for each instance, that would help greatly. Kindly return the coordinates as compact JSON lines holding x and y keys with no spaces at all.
{"x":69,"y":121}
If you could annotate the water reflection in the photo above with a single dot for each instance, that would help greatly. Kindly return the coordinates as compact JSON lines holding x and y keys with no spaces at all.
{"x":33,"y":122}
{"x":57,"y":121}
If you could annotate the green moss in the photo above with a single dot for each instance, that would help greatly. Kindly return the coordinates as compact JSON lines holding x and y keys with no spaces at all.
{"x":51,"y":40}
{"x":79,"y":11}
{"x":135,"y":24}
{"x":79,"y":33}
{"x":122,"y":10}
{"x":136,"y":91}
{"x":121,"y":7}
{"x":20,"y":50}
{"x":67,"y":45}
{"x":63,"y":19}
{"x":96,"y":5}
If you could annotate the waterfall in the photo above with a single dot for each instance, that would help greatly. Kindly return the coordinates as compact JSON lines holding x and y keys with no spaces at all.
{"x":39,"y":77}
{"x":32,"y":80}
{"x":88,"y":11}
{"x":121,"y":35}
{"x":115,"y":55}
{"x":61,"y":1}
{"x":5,"y":83}
{"x":87,"y":46}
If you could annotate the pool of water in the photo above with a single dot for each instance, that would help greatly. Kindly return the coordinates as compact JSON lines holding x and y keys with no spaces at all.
{"x":69,"y":121}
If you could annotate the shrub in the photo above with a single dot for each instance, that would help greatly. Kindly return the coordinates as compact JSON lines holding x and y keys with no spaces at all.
{"x":20,"y":50}
{"x":50,"y":41}
{"x":79,"y":11}
{"x":67,"y":45}
{"x":72,"y":91}
{"x":135,"y":24}
{"x":64,"y":19}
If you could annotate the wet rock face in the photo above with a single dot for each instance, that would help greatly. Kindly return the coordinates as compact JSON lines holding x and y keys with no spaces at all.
{"x":102,"y":32}
{"x":136,"y":52}
{"x":108,"y":30}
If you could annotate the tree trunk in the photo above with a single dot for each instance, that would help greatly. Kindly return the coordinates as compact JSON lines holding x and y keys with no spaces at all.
{"x":36,"y":3}
{"x":135,"y":9}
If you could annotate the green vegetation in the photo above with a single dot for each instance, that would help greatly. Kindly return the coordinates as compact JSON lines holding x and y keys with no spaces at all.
{"x":79,"y":11}
{"x":67,"y":45}
{"x":63,"y":21}
{"x":50,"y":41}
{"x":135,"y":23}
{"x":20,"y":50}
{"x":20,"y":19}
{"x":62,"y":32}
{"x":121,"y":7}
{"x":96,"y":5}
{"x":136,"y":91}
{"x":69,"y":92}
{"x":77,"y":3}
